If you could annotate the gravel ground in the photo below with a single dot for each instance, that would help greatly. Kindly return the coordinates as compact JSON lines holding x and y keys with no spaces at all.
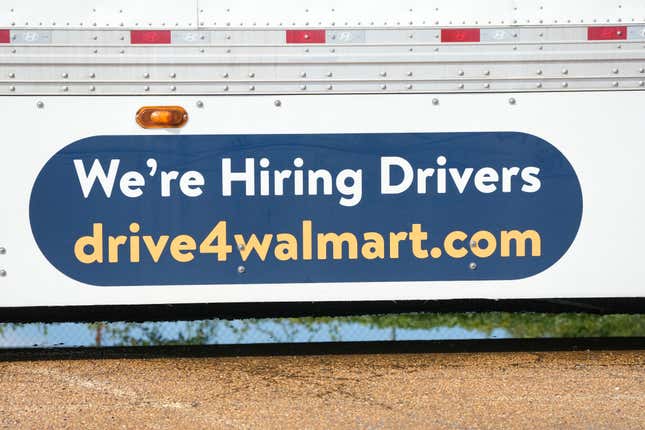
{"x":432,"y":390}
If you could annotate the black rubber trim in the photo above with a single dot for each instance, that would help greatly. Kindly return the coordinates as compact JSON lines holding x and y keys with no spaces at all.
{"x":172,"y":312}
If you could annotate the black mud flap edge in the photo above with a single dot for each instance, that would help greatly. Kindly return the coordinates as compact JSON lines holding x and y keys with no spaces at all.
{"x":173,"y":312}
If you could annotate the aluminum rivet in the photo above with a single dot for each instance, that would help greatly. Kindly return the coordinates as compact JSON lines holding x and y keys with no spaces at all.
{"x":173,"y":75}
{"x":539,"y":71}
{"x":12,"y":88}
{"x":241,"y":269}
{"x":330,"y":74}
{"x":383,"y":86}
{"x":473,"y":244}
{"x":252,"y":87}
{"x":615,"y":84}
{"x":303,"y":75}
{"x":487,"y":72}
{"x":641,"y":70}
{"x":472,"y":266}
{"x":40,"y":105}
{"x":173,"y":88}
{"x":146,"y":75}
{"x":409,"y":73}
{"x":200,"y":104}
{"x":487,"y":85}
{"x":641,"y":83}
{"x":614,"y":71}
{"x":3,"y":251}
{"x":13,"y":51}
{"x":330,"y":87}
{"x":225,"y":88}
{"x":564,"y":84}
{"x":146,"y":88}
{"x":224,"y":75}
{"x":65,"y":88}
{"x":460,"y":73}
{"x":565,"y":71}
{"x":383,"y":74}
{"x":92,"y":88}
{"x":64,"y":76}
{"x":251,"y":75}
{"x":409,"y":86}
{"x":303,"y":87}
{"x":512,"y":101}
{"x":435,"y":102}
{"x":539,"y":85}
{"x":461,"y":86}
{"x":277,"y":103}
{"x":12,"y":75}
{"x":92,"y":75}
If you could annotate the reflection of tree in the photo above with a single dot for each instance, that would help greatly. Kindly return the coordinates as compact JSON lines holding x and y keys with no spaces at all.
{"x":524,"y":325}
{"x":519,"y":325}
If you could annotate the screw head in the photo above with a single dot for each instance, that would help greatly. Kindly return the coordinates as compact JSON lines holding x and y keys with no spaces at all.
{"x":512,"y":101}
{"x":241,"y":269}
{"x":435,"y":102}
{"x":472,"y":265}
{"x":3,"y":251}
{"x":3,"y":273}
{"x":40,"y":105}
{"x":277,"y":103}
{"x":200,"y":104}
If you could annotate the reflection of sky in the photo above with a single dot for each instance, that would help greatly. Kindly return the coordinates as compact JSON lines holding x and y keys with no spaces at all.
{"x":223,"y":332}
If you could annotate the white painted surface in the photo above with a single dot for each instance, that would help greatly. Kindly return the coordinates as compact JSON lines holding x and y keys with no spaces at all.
{"x":310,"y":13}
{"x":601,"y":134}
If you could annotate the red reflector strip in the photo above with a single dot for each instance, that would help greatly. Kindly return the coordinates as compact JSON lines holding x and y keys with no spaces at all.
{"x":149,"y":36}
{"x":305,"y":36}
{"x":4,"y":36}
{"x":460,"y":35}
{"x":607,"y":33}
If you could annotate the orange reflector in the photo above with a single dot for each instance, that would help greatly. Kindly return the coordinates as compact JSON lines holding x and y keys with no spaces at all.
{"x":162,"y":117}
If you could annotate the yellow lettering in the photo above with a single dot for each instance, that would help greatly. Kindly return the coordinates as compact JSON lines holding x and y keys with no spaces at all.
{"x":182,"y":243}
{"x":337,"y":241}
{"x":491,"y":244}
{"x":286,"y":248}
{"x":395,"y":238}
{"x":253,"y":244}
{"x":95,"y":241}
{"x":449,"y":244}
{"x":374,"y":247}
{"x":520,"y":239}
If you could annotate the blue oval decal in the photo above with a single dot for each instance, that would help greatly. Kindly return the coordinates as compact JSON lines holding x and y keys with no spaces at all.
{"x":223,"y":209}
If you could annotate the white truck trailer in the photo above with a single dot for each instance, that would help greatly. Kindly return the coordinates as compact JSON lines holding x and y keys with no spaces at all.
{"x":256,"y":157}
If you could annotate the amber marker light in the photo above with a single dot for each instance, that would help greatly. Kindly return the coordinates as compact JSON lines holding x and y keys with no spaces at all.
{"x":162,"y":117}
